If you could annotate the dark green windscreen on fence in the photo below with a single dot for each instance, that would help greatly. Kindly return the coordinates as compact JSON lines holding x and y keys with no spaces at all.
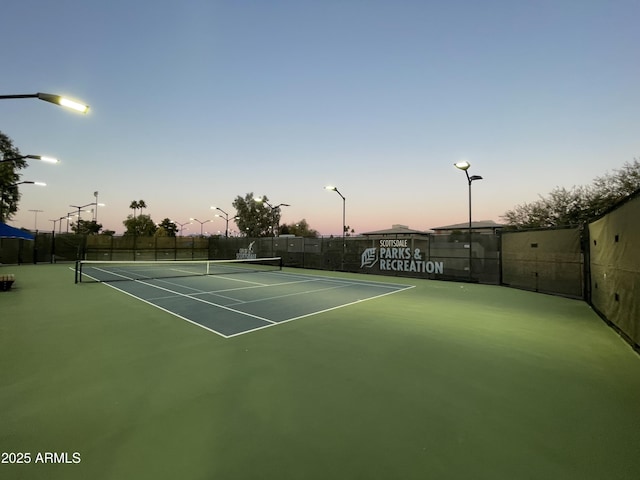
{"x":439,"y":257}
{"x":615,"y":267}
{"x":548,"y":261}
{"x":131,"y":248}
{"x":44,"y":248}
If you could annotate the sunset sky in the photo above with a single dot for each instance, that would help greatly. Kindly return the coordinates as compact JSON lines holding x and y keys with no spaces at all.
{"x":196,"y":102}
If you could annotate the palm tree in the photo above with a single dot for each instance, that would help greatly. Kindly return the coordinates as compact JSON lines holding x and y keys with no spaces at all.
{"x":141,"y":205}
{"x":134,"y":206}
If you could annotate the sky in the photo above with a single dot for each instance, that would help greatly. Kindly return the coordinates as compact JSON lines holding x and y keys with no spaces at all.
{"x":196,"y":102}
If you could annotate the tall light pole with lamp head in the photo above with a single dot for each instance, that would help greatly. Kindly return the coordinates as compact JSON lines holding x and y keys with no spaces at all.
{"x":201,"y":224}
{"x":344,"y":223}
{"x":344,"y":207}
{"x":273,"y":209}
{"x":226,"y":217}
{"x":181,"y":225}
{"x":465,"y":167}
{"x":36,"y":211}
{"x":95,"y":212}
{"x":79,"y":209}
{"x":32,"y":157}
{"x":3,"y":196}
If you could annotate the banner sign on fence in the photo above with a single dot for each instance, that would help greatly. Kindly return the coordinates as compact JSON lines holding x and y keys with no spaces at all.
{"x":396,"y":256}
{"x":246,"y":253}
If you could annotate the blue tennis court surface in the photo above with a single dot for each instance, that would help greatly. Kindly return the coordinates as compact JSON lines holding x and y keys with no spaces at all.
{"x":231,"y":305}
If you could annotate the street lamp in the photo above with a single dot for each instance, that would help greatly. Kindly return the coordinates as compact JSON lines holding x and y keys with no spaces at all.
{"x":70,"y":216}
{"x":201,"y":224}
{"x":48,"y":97}
{"x":465,"y":167}
{"x":80,"y":208}
{"x":344,"y":206}
{"x":36,"y":218}
{"x":95,"y":212}
{"x":32,"y":157}
{"x":3,"y":196}
{"x":181,"y":225}
{"x":263,"y":200}
{"x":344,"y":222}
{"x":226,"y":217}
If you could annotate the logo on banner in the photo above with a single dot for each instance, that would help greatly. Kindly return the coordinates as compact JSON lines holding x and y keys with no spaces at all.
{"x":246,"y":253}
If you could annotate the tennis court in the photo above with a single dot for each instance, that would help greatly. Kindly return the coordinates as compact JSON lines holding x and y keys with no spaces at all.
{"x":433,"y":380}
{"x":212,"y":294}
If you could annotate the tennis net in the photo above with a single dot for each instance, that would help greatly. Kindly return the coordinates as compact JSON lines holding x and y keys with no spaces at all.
{"x":113,"y":271}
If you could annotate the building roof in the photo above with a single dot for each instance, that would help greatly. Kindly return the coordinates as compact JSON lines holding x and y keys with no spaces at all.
{"x":479,"y":225}
{"x":397,"y":230}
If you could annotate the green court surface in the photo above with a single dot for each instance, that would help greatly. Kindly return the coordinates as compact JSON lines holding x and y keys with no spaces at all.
{"x":441,"y":381}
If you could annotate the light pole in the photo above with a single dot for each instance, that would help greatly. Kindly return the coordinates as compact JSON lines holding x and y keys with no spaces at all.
{"x":344,"y":207}
{"x":13,"y":195}
{"x":465,"y":167}
{"x":344,"y":222}
{"x":64,"y":217}
{"x":36,"y":218}
{"x":263,"y":200}
{"x":48,"y":97}
{"x":181,"y":225}
{"x":95,"y":212}
{"x":226,"y":217}
{"x":70,"y":217}
{"x":201,"y":224}
{"x":59,"y":224}
{"x":80,"y":208}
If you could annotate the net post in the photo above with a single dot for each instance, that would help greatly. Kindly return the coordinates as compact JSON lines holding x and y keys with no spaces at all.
{"x":280,"y":263}
{"x":77,"y":272}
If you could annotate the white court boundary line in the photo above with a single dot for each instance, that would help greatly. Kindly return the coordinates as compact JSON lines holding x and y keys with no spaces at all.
{"x":270,"y":323}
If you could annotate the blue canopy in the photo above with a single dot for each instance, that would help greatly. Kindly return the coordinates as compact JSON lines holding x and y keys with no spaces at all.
{"x":10,"y":232}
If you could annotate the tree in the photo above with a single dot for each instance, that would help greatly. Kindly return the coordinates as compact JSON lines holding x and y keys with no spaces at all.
{"x":141,"y":204}
{"x":137,"y":204}
{"x":167,"y":228}
{"x":9,"y":177}
{"x":134,"y":206}
{"x":86,"y":227}
{"x":299,"y":229}
{"x":578,"y":205}
{"x":255,"y":219}
{"x":142,"y":225}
